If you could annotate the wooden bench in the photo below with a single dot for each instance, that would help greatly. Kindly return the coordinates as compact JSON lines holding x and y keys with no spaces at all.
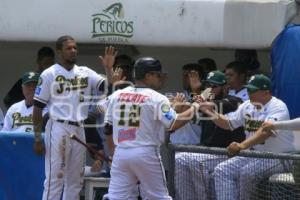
{"x":94,"y":182}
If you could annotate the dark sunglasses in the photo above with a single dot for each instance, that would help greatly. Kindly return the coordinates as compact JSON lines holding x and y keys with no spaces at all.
{"x":212,"y":86}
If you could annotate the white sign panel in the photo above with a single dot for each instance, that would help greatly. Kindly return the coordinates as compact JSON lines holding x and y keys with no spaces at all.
{"x":202,"y":23}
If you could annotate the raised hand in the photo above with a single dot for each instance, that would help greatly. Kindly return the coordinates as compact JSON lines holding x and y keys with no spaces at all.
{"x":194,"y":80}
{"x":207,"y":94}
{"x":109,"y":57}
{"x":179,"y":103}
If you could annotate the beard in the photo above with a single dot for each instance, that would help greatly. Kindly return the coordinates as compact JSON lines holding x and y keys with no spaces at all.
{"x":71,"y":61}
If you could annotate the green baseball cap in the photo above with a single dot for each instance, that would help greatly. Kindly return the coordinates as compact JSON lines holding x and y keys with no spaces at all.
{"x":29,"y":77}
{"x":258,"y":82}
{"x":216,"y":78}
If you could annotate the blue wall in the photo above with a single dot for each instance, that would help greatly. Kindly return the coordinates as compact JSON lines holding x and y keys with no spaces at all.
{"x":21,"y":170}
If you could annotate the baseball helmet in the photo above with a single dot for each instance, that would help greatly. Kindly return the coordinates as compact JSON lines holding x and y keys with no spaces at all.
{"x":144,"y":65}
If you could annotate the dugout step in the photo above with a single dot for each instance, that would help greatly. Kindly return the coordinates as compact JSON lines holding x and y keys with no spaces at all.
{"x":90,"y":183}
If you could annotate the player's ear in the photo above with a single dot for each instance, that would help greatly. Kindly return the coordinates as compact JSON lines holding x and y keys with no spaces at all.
{"x":147,"y":76}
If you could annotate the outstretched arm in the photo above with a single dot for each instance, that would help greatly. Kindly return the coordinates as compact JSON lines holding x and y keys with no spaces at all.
{"x":208,"y":109}
{"x":282,"y":125}
{"x":108,"y":61}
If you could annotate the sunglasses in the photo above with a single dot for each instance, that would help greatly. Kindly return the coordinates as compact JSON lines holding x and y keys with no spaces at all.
{"x":212,"y":86}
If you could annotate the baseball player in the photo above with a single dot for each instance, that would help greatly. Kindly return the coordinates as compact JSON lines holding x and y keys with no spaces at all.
{"x":136,"y":120}
{"x":234,"y":178}
{"x":191,"y":132}
{"x":66,"y":89}
{"x":18,"y":117}
{"x":193,"y":178}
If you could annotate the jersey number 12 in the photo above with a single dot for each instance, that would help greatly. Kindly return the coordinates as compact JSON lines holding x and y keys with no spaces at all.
{"x":133,"y":116}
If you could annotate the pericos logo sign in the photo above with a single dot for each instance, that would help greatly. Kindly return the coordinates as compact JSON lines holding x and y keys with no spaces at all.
{"x":110,"y":25}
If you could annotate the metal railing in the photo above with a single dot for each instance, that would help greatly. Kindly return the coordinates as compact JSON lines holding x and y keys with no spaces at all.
{"x":274,"y":175}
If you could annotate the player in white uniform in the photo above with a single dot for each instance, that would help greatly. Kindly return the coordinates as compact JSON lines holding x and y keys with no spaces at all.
{"x":65,"y":88}
{"x":235,"y":177}
{"x":18,"y":117}
{"x":138,"y":117}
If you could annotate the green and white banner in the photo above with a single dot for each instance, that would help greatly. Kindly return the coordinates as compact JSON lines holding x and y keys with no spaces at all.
{"x":199,"y":23}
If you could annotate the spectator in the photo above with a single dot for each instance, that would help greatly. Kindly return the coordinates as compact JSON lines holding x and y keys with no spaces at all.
{"x":193,"y":170}
{"x":236,"y":74}
{"x":45,"y":58}
{"x":19,"y":116}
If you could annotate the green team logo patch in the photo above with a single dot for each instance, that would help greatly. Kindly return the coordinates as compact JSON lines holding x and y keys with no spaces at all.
{"x":110,"y":25}
{"x":165,"y":108}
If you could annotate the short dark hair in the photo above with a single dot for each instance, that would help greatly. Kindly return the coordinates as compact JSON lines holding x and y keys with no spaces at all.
{"x":196,"y":67}
{"x":123,"y":59}
{"x":208,"y":63}
{"x":247,"y":56}
{"x":125,"y":62}
{"x":238,"y":67}
{"x":61,"y":40}
{"x":45,"y":52}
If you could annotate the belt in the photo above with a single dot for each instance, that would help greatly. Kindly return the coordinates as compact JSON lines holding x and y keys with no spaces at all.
{"x":69,"y":122}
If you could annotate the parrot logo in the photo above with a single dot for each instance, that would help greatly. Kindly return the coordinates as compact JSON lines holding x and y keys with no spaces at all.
{"x":116,"y":10}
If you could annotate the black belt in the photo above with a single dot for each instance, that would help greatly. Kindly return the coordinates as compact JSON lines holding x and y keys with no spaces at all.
{"x":68,"y":122}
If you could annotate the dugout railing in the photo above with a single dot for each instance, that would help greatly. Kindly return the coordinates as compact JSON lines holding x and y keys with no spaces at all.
{"x":263,"y":180}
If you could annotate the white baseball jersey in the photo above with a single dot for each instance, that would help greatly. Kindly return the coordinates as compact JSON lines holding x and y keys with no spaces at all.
{"x":139,"y":117}
{"x":18,"y":118}
{"x":251,"y":119}
{"x":67,"y":93}
{"x":242,"y":94}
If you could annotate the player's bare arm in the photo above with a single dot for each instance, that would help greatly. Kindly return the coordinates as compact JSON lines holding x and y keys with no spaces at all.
{"x":184,"y":117}
{"x":37,"y":119}
{"x":293,"y":125}
{"x":259,"y":137}
{"x":108,"y":61}
{"x":208,"y":109}
{"x":268,"y":126}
